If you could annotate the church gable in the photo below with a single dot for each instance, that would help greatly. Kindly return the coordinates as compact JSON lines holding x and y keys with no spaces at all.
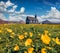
{"x":31,"y":20}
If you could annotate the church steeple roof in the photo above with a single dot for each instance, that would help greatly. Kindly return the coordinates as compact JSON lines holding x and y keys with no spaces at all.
{"x":35,"y":16}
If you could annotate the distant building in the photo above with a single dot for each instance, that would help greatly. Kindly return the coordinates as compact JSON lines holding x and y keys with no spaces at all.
{"x":32,"y":20}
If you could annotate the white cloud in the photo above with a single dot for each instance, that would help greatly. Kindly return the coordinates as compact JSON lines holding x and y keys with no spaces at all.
{"x":54,"y":20}
{"x":5,"y":5}
{"x":22,"y":10}
{"x":9,"y":3}
{"x":2,"y":17}
{"x":15,"y":18}
{"x":15,"y":6}
{"x":13,"y":9}
{"x":13,"y":15}
{"x":53,"y":15}
{"x":25,"y":15}
{"x":2,"y":6}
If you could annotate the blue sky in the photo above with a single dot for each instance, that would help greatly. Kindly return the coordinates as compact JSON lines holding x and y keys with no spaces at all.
{"x":23,"y":8}
{"x":39,"y":7}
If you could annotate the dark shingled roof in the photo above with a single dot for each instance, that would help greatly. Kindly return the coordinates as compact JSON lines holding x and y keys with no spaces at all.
{"x":31,"y":18}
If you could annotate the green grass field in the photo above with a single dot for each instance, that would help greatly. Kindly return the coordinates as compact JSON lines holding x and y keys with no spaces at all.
{"x":31,"y":38}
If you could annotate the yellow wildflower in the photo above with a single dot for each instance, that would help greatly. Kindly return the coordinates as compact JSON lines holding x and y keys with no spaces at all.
{"x":0,"y":31}
{"x":56,"y":40}
{"x":16,"y":48}
{"x":31,"y":34}
{"x":25,"y":33}
{"x":28,"y":42}
{"x":21,"y":37}
{"x":46,"y":39}
{"x":30,"y":50}
{"x":46,"y":32}
{"x":9,"y":30}
{"x":43,"y":50}
{"x":0,"y":38}
{"x":12,"y":33}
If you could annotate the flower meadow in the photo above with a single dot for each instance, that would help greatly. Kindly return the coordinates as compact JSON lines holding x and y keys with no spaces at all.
{"x":31,"y":38}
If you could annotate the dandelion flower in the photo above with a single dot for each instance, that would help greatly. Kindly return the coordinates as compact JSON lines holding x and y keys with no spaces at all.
{"x":28,"y":42}
{"x":43,"y":50}
{"x":45,"y":31}
{"x":16,"y":48}
{"x":25,"y":33}
{"x":9,"y":30}
{"x":21,"y":37}
{"x":0,"y":31}
{"x":31,"y":34}
{"x":30,"y":50}
{"x":13,"y":33}
{"x":56,"y":40}
{"x":46,"y":39}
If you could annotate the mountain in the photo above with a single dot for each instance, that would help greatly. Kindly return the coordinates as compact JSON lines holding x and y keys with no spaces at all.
{"x":49,"y":22}
{"x":46,"y":22}
{"x":22,"y":22}
{"x":3,"y":22}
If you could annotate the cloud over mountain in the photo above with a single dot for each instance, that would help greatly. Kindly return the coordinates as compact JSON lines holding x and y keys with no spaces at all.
{"x":52,"y":15}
